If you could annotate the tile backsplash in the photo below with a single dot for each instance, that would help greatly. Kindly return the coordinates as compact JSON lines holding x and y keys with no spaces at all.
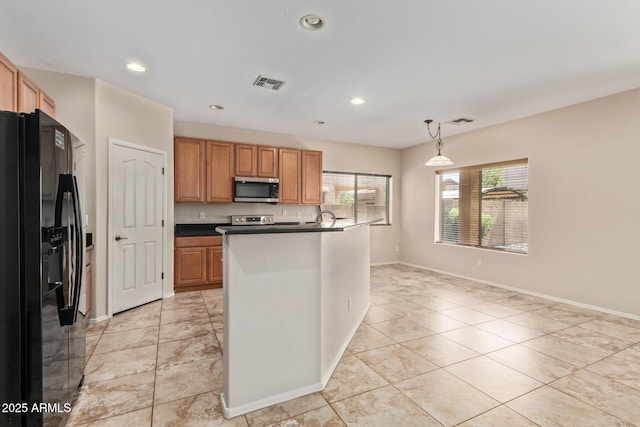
{"x":219,"y":213}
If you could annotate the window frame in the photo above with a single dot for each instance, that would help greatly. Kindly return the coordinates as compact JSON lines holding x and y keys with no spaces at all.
{"x":439,"y":220}
{"x":388,"y":193}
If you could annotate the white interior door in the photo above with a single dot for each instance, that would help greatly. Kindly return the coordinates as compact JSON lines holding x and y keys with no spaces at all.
{"x":136,"y":200}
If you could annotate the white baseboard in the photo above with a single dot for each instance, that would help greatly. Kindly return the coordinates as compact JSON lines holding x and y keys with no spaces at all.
{"x":377,"y":264}
{"x":271,"y":400}
{"x":99,"y":319}
{"x":528,"y":292}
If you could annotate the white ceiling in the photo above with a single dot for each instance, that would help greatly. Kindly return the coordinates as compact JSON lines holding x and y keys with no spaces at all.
{"x":491,"y":60}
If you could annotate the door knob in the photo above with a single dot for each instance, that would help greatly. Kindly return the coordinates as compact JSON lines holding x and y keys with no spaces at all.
{"x":118,"y":238}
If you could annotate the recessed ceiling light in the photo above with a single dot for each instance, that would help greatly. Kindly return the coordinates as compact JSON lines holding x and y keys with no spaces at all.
{"x":312,"y":22}
{"x":318,"y":122}
{"x":216,"y":107}
{"x":357,"y":101}
{"x":134,"y":66}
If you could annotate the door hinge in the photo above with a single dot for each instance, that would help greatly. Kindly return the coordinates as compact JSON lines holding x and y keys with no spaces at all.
{"x":162,"y":171}
{"x":163,"y":222}
{"x":162,"y":276}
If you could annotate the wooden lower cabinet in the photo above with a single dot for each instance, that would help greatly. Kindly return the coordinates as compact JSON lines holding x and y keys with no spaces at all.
{"x":198,"y":263}
{"x":214,"y":264}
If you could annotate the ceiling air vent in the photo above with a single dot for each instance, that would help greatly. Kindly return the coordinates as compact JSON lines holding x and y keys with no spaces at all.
{"x":461,"y":121}
{"x":268,"y":83}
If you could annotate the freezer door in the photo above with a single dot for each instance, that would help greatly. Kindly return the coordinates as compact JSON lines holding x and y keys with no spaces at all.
{"x":11,"y":363}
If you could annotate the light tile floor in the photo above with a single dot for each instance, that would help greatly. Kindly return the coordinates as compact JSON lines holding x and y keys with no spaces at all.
{"x":433,"y":350}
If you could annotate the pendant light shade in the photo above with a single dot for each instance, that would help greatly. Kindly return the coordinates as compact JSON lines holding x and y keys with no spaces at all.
{"x":439,"y":159}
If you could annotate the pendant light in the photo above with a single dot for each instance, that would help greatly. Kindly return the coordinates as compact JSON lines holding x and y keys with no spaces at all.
{"x":438,"y":160}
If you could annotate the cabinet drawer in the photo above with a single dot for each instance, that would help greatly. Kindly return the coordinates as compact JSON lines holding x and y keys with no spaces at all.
{"x":196,"y":241}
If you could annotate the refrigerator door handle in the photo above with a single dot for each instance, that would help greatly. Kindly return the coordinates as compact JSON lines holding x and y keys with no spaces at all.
{"x":79,"y":265}
{"x":67,"y":184}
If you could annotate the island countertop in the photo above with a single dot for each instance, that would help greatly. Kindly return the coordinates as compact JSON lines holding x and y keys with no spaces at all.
{"x":309,"y":227}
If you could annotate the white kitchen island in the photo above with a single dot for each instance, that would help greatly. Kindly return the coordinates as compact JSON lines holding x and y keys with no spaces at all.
{"x":293,"y":299}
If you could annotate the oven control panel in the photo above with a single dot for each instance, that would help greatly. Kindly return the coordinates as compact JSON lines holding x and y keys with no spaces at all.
{"x":252,"y":220}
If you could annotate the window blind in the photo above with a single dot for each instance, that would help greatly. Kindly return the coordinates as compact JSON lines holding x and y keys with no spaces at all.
{"x":484,"y":206}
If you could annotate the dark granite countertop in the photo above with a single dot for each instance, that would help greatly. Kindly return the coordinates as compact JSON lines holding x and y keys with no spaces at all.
{"x":310,"y":227}
{"x":197,"y":229}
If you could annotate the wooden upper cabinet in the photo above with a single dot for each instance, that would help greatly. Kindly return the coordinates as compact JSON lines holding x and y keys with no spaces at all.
{"x":246,"y":160}
{"x":8,"y":85}
{"x":28,"y":94}
{"x":267,"y":162}
{"x":19,"y":93}
{"x":47,"y":104}
{"x":189,"y":170}
{"x":256,"y":160}
{"x":219,"y":176}
{"x":290,"y":171}
{"x":311,"y":183}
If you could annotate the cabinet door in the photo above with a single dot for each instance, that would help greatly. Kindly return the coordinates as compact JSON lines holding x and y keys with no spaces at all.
{"x":47,"y":104}
{"x":311,"y":177}
{"x":189,"y":170}
{"x":220,"y":160}
{"x":246,"y":160}
{"x":190,"y":266}
{"x":290,"y":169}
{"x":8,"y":85}
{"x":267,"y":162}
{"x":28,"y":94}
{"x":214,"y":264}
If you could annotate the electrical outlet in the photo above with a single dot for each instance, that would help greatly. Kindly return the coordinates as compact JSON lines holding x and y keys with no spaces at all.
{"x":299,"y":215}
{"x":284,"y":212}
{"x":479,"y":262}
{"x":202,"y":215}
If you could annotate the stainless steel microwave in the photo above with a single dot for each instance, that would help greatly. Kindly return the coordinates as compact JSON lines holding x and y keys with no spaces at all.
{"x":257,"y":190}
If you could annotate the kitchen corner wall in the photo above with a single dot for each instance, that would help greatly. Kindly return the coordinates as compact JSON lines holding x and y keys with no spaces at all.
{"x":583,"y":203}
{"x":95,"y":111}
{"x":337,"y":156}
{"x":130,"y":118}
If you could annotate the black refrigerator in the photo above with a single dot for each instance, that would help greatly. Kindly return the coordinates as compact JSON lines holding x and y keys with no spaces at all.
{"x":42,"y":333}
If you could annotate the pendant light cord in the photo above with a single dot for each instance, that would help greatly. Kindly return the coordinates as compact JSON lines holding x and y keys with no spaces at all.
{"x":437,"y":135}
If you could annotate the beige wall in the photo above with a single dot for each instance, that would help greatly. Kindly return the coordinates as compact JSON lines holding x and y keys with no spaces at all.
{"x":337,"y":156}
{"x":131,"y":118}
{"x":583,"y":203}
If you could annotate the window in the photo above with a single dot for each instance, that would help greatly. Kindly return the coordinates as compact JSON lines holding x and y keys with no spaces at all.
{"x":484,"y":206}
{"x":361,"y":197}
